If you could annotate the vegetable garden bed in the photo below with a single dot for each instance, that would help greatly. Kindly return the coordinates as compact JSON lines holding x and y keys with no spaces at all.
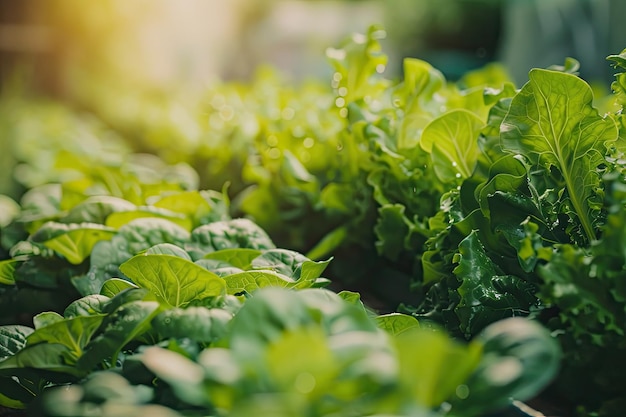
{"x":483,"y":225}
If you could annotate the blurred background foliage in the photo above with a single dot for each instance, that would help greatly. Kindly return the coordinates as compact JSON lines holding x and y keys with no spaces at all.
{"x":240,"y":90}
{"x":205,"y":81}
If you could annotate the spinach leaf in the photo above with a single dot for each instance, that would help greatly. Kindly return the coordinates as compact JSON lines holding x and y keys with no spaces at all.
{"x":176,"y":281}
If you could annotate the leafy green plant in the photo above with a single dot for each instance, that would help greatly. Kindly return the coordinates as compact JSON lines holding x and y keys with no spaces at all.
{"x":343,"y":365}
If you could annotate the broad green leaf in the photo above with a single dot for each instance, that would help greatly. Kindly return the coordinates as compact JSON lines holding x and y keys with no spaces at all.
{"x":182,"y":374}
{"x":13,"y":339}
{"x":75,"y":242}
{"x":96,"y":209}
{"x":250,"y":281}
{"x":141,"y":234}
{"x":7,"y":270}
{"x":74,"y":333}
{"x":133,"y":238}
{"x":174,"y":280}
{"x":86,"y":306}
{"x":119,"y":219}
{"x":202,"y":324}
{"x":129,"y":295}
{"x":351,"y":297}
{"x":121,"y":327}
{"x":189,"y":203}
{"x":46,"y":318}
{"x":220,"y":268}
{"x":311,"y":270}
{"x":452,"y":141}
{"x":432,"y":365}
{"x":290,"y":263}
{"x":51,"y":357}
{"x":114,"y":286}
{"x":237,"y":257}
{"x":314,"y":360}
{"x":168,"y":249}
{"x":396,"y":323}
{"x":228,"y":234}
{"x":519,"y":359}
{"x":552,"y":122}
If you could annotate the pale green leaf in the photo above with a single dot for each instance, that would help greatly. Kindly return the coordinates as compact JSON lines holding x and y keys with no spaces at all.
{"x":452,"y":141}
{"x":174,"y":280}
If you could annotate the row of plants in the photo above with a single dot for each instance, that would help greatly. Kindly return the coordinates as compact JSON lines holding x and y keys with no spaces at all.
{"x":485,"y":200}
{"x":157,"y":302}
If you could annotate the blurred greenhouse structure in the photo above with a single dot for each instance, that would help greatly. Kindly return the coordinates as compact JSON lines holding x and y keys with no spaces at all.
{"x":62,"y":44}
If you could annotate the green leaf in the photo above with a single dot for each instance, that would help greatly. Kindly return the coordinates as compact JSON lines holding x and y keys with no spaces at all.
{"x":119,"y":219}
{"x":432,"y":365}
{"x":189,"y":203}
{"x":552,"y":122}
{"x":519,"y":359}
{"x":391,"y":229}
{"x":238,"y":257}
{"x":133,"y":238}
{"x":75,"y":242}
{"x":86,"y":306}
{"x":182,"y":374}
{"x":46,"y":318}
{"x":290,"y":263}
{"x":249,"y":281}
{"x":175,"y":280}
{"x":359,"y":61}
{"x":96,"y":209}
{"x":73,"y":333}
{"x":202,"y":324}
{"x":168,"y":249}
{"x":13,"y":339}
{"x":121,"y":327}
{"x":114,"y":286}
{"x":487,"y":294}
{"x":230,"y":234}
{"x":396,"y":323}
{"x":452,"y":141}
{"x":7,"y":270}
{"x":328,"y":244}
{"x":51,"y":357}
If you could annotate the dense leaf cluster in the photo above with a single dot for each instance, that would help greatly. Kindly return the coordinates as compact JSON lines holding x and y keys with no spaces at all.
{"x":468,"y":203}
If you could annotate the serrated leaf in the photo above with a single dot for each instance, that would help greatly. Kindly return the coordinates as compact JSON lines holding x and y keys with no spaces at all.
{"x":552,"y":122}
